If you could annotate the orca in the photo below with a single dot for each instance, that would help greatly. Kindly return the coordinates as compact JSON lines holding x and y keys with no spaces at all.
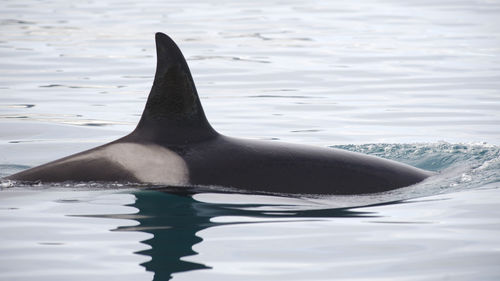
{"x":174,"y":145}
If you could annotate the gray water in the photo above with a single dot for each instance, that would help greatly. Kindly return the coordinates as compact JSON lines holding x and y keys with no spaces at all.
{"x":413,"y":81}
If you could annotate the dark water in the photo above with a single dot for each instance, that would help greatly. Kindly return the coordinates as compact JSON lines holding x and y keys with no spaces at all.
{"x":417,"y":82}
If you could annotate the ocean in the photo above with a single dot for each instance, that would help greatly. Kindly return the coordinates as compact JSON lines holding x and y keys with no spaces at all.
{"x":412,"y":81}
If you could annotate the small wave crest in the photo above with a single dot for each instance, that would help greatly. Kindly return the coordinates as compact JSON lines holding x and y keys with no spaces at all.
{"x":460,"y":166}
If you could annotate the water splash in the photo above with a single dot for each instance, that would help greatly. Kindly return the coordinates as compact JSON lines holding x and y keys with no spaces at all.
{"x":460,"y":166}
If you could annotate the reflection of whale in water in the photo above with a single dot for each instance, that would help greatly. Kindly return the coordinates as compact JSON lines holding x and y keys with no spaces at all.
{"x":174,"y":144}
{"x":174,"y":221}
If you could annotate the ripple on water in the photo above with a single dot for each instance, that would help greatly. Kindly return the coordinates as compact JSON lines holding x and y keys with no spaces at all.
{"x":375,"y":76}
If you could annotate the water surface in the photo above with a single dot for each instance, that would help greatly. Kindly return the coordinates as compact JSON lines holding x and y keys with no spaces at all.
{"x":413,"y":81}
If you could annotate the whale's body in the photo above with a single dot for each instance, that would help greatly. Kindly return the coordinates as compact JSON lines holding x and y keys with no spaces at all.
{"x":175,"y":145}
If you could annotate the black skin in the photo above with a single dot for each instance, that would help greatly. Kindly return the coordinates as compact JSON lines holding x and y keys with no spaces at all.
{"x":290,"y":168}
{"x":173,"y":118}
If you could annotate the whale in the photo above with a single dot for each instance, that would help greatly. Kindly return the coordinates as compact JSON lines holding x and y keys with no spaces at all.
{"x":174,"y":145}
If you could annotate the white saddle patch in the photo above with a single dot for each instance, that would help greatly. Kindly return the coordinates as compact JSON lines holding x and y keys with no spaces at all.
{"x":149,"y":163}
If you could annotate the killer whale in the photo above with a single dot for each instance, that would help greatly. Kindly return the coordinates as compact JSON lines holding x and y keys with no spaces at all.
{"x":174,"y":144}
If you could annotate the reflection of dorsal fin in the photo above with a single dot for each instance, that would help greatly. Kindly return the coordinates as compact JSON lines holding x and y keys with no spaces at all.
{"x":173,"y":112}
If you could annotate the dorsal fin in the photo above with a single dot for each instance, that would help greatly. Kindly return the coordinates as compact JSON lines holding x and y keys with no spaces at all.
{"x":173,"y":112}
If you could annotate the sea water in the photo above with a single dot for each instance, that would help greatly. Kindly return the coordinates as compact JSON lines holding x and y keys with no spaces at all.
{"x":413,"y":81}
